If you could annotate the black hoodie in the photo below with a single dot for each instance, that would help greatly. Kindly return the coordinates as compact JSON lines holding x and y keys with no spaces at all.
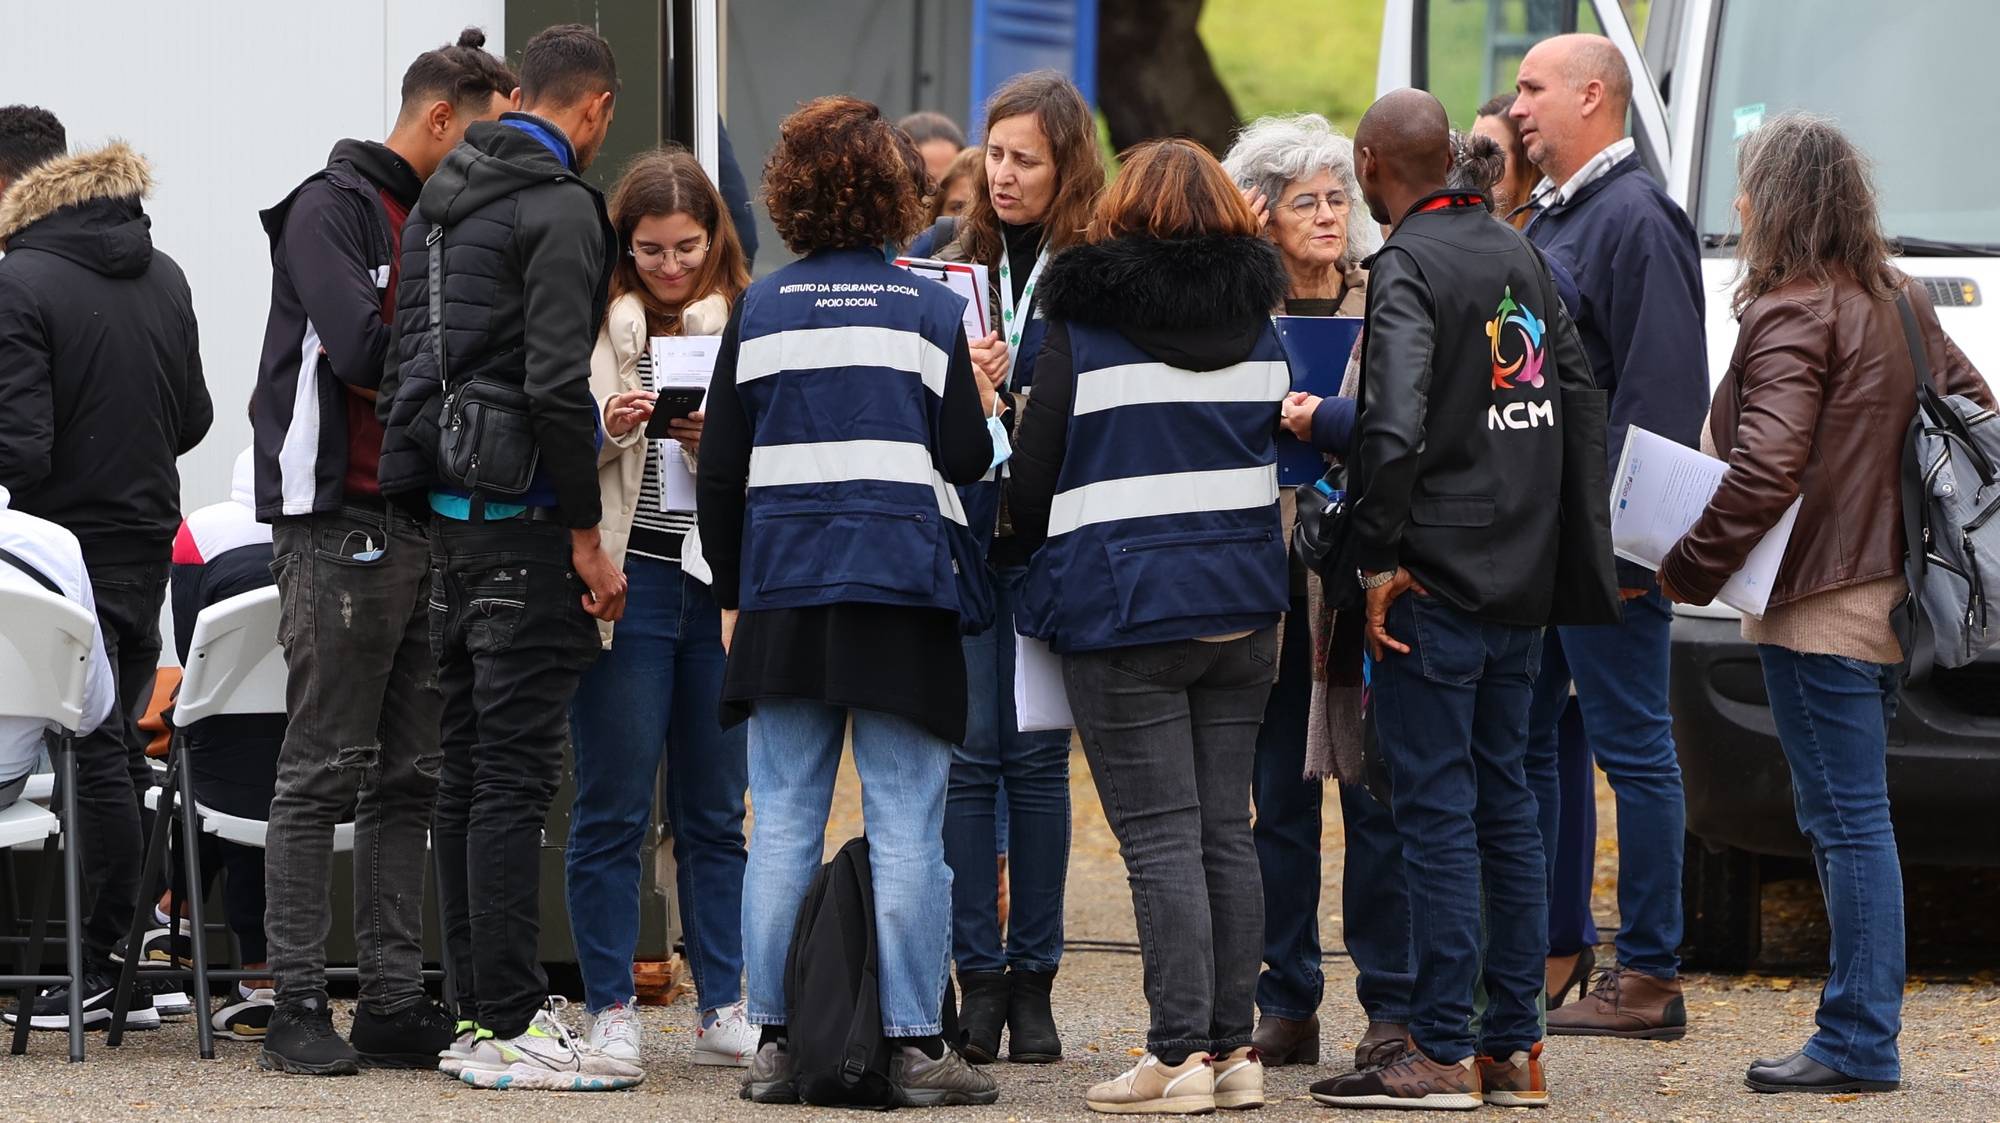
{"x":1192,"y":303}
{"x":100,"y":370}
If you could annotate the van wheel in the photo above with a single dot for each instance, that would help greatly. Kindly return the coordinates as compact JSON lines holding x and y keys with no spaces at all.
{"x":1722,"y":891}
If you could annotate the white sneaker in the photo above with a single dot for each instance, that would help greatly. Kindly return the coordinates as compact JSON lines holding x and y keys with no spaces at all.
{"x":728,"y":1039}
{"x":614,"y":1032}
{"x":546,"y":1057}
{"x":451,"y":1061}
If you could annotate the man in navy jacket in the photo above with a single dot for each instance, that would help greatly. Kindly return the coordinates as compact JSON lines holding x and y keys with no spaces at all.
{"x":1638,"y":275}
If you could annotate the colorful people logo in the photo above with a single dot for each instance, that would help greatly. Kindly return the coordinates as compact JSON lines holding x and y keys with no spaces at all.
{"x":1526,"y":368}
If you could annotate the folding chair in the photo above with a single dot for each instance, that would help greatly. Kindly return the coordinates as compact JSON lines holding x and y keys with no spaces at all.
{"x":45,"y":643}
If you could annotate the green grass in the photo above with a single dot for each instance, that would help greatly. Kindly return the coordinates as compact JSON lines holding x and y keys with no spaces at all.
{"x":1296,"y":56}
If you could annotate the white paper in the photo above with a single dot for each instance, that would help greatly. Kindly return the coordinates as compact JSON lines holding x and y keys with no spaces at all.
{"x":1660,"y":489}
{"x":1041,"y":701}
{"x":966,"y":280}
{"x":680,"y":362}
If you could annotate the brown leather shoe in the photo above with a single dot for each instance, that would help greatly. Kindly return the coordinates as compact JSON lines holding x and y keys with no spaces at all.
{"x":1411,"y":1081}
{"x":1516,"y":1081}
{"x":1625,"y":1003}
{"x":1381,"y":1045}
{"x":1284,"y":1041}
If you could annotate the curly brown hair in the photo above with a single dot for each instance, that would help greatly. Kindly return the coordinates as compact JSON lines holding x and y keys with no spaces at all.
{"x":842,"y":176}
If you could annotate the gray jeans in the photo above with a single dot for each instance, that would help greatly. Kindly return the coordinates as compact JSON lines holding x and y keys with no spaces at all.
{"x":364,"y":704}
{"x":1170,"y":731}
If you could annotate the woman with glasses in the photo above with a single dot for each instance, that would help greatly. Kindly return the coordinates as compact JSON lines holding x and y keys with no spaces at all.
{"x":655,"y":688}
{"x":1298,"y":172}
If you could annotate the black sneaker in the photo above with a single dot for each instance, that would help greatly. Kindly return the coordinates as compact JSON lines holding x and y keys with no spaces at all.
{"x":410,"y":1038}
{"x":246,"y":1019}
{"x":301,"y":1040}
{"x":162,"y":945}
{"x":51,"y":1008}
{"x":169,"y":997}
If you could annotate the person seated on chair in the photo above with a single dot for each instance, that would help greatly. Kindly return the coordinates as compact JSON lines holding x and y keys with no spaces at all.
{"x":38,"y":554}
{"x":222,"y":551}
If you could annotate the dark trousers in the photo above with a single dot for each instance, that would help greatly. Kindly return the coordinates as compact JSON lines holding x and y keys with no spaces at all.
{"x":1170,"y":731}
{"x":1565,"y":783}
{"x":363,"y":740}
{"x":111,"y":768}
{"x":1374,"y":903}
{"x":512,"y":641}
{"x":1452,"y":715}
{"x":235,"y":771}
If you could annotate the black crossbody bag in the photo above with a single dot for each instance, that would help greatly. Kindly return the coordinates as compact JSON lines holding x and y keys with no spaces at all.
{"x":487,"y":443}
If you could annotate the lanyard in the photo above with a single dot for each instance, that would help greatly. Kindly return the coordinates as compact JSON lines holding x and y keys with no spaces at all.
{"x":1011,"y":329}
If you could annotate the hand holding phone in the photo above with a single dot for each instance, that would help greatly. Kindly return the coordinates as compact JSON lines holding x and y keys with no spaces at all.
{"x":674,"y":404}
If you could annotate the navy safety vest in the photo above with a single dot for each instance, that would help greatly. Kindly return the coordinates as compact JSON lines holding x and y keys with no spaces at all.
{"x":841,"y":365}
{"x":1165,"y":520}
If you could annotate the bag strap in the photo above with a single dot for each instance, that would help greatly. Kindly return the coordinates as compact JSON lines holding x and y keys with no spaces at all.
{"x":40,"y":578}
{"x":864,"y":1030}
{"x":434,"y":242}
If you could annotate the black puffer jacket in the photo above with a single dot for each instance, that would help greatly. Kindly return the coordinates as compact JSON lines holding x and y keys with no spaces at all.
{"x":100,"y":367}
{"x":528,"y":252}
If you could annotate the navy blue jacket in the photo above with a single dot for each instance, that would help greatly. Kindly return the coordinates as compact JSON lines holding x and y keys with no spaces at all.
{"x":1637,"y":267}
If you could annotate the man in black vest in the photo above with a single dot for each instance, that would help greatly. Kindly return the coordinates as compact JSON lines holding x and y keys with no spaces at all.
{"x":1456,"y":472}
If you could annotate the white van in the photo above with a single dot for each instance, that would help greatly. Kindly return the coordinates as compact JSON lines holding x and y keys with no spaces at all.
{"x":1910,"y":83}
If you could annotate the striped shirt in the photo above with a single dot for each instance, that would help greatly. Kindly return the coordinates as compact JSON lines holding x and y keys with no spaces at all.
{"x":657,"y":534}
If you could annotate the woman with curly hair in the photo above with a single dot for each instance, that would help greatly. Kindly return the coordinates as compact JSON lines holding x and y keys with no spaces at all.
{"x":843,"y":410}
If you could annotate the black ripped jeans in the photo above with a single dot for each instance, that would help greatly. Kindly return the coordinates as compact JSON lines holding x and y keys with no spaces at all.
{"x":364,"y":704}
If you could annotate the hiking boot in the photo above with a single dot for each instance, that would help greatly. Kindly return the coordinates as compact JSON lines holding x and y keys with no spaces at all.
{"x":1381,"y":1044}
{"x":1286,"y":1041}
{"x":770,"y":1079}
{"x":1152,"y":1088}
{"x":1412,"y":1080}
{"x":545,"y":1058}
{"x":248,"y":1018}
{"x":1239,"y":1079}
{"x":410,"y":1038}
{"x":726,"y":1037}
{"x":1516,"y":1081}
{"x":1625,"y":1003}
{"x":301,"y":1041}
{"x":982,"y":1013}
{"x":947,"y":1081}
{"x":614,"y":1031}
{"x":465,"y":1035}
{"x":1031,"y":1026}
{"x":50,"y":1009}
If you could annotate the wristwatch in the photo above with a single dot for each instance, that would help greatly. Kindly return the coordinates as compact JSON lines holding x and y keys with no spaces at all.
{"x":1371,"y":581}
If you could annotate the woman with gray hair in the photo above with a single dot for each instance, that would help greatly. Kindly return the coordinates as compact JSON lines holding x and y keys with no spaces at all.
{"x":1300,"y":172}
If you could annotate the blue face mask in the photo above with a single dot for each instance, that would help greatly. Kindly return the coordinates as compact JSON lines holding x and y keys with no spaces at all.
{"x":1003,"y":448}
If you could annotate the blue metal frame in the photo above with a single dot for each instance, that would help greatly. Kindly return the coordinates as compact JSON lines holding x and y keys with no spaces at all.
{"x":1011,"y":37}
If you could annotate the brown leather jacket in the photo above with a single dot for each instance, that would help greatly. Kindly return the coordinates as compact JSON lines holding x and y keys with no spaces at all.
{"x":1817,"y":402}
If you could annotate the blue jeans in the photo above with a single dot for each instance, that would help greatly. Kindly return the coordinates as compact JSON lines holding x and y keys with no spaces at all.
{"x":1832,"y":715}
{"x":1452,"y":716}
{"x":1374,"y":902}
{"x":1035,"y":769}
{"x":1565,"y":783}
{"x":794,"y":752}
{"x":1621,"y":674}
{"x":654,"y":694}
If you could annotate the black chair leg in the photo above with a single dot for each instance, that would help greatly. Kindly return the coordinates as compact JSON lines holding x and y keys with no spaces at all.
{"x":24,"y":1012}
{"x":156,"y":860}
{"x":72,"y":859}
{"x":191,"y":854}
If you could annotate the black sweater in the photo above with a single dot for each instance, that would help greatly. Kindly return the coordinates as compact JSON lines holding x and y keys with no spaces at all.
{"x":890,"y":658}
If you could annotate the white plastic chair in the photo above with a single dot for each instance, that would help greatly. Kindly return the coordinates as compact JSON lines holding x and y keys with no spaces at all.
{"x":45,"y":644}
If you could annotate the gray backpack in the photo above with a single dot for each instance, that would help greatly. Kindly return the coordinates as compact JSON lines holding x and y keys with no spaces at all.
{"x":1951,"y":492}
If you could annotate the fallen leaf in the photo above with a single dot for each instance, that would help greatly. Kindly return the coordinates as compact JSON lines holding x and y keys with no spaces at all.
{"x":1135,"y":1051}
{"x":1720,"y":1002}
{"x":1781,"y":984}
{"x":1844,"y":1098}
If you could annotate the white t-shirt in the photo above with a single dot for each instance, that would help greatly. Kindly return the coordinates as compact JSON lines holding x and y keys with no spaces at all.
{"x":54,"y":552}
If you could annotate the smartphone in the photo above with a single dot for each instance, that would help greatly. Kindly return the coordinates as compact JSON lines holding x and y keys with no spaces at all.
{"x":673,"y":405}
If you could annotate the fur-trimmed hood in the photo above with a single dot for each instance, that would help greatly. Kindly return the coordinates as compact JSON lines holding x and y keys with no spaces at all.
{"x":1197,"y":303}
{"x":85,"y":208}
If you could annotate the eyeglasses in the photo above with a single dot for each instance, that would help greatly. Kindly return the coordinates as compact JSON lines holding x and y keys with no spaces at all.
{"x":652,"y":259}
{"x":1306,"y":207}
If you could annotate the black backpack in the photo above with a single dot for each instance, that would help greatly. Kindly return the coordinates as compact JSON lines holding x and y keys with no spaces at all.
{"x":833,"y":1002}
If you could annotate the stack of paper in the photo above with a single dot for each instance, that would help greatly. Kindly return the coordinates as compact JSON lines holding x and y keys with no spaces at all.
{"x":965,"y":280}
{"x":1660,"y":489}
{"x":680,"y":362}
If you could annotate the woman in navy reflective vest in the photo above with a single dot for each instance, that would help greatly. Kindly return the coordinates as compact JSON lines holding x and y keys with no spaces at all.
{"x":843,"y":410}
{"x":1041,"y":173}
{"x":1147,"y":471}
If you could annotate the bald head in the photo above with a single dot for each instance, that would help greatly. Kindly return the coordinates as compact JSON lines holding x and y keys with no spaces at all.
{"x":1572,"y":96}
{"x":1402,"y":151}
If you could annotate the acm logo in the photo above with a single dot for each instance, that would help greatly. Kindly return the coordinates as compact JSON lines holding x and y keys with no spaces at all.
{"x":1521,"y":415}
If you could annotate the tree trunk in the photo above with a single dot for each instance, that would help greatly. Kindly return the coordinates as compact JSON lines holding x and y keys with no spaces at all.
{"x":1154,"y":77}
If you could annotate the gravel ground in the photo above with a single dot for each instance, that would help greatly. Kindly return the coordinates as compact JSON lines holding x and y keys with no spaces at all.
{"x":1951,"y":1026}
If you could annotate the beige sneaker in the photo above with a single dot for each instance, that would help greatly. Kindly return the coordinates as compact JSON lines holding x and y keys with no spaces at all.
{"x":1151,"y":1088}
{"x":1239,"y":1079}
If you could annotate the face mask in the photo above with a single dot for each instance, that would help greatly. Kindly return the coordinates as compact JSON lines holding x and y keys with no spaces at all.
{"x":1003,"y":448}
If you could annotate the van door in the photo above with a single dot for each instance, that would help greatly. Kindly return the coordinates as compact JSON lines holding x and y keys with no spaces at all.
{"x":1466,"y":51}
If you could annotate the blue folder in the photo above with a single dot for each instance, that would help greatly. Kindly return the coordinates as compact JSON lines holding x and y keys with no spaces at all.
{"x":1317,"y":347}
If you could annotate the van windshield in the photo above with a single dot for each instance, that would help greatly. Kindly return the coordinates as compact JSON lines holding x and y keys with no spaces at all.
{"x":1910,"y":83}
